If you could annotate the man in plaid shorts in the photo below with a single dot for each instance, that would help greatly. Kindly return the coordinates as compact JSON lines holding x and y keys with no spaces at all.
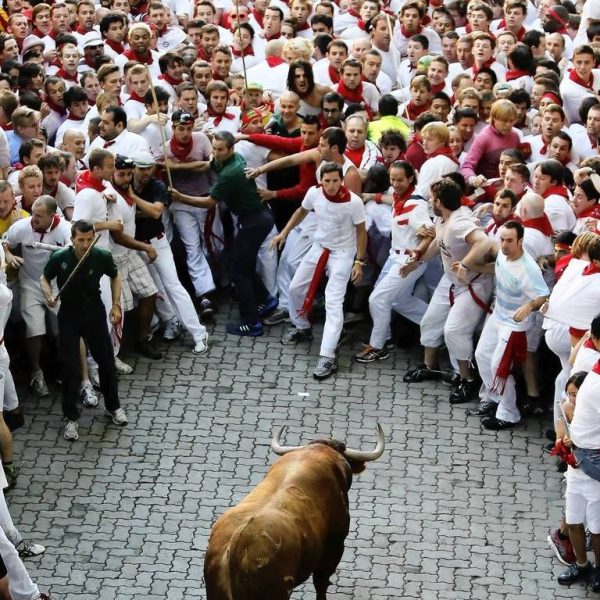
{"x":135,"y":277}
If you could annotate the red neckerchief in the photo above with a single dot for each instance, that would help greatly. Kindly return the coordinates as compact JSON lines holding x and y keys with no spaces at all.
{"x":160,"y":32}
{"x":7,"y":126}
{"x":591,"y":269}
{"x":412,"y":112}
{"x":355,"y":156}
{"x":443,"y":151}
{"x":550,"y":12}
{"x":137,"y":98}
{"x":304,"y":27}
{"x":381,"y":160}
{"x":61,"y":110}
{"x":497,"y":223}
{"x":92,"y":67}
{"x":218,"y":117}
{"x":203,"y":54}
{"x":353,"y":13}
{"x":343,"y":195}
{"x":79,"y":29}
{"x":590,"y":212}
{"x":181,"y":151}
{"x":86,"y":180}
{"x":544,"y":148}
{"x":516,"y":73}
{"x":72,"y":117}
{"x":574,"y":77}
{"x":52,"y":34}
{"x":409,"y":34}
{"x":248,"y":51}
{"x":468,"y":28}
{"x":438,"y":87}
{"x":118,"y":47}
{"x":355,"y":95}
{"x":35,"y":31}
{"x":166,"y":77}
{"x":258,"y":17}
{"x":131,"y":55}
{"x":559,"y":190}
{"x":488,"y":63}
{"x":333,"y":74}
{"x":361,"y":25}
{"x":140,"y":9}
{"x":589,"y":344}
{"x":519,"y":35}
{"x":53,"y":225}
{"x":274,"y":61}
{"x":542,"y":224}
{"x":216,"y":77}
{"x":399,"y":204}
{"x":66,"y":76}
{"x":51,"y":192}
{"x":273,"y":37}
{"x":108,"y":144}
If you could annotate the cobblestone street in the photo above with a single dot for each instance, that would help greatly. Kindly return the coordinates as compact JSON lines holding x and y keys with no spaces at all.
{"x":448,"y":511}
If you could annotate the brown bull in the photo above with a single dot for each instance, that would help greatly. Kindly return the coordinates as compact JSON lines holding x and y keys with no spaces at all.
{"x":292,"y":525}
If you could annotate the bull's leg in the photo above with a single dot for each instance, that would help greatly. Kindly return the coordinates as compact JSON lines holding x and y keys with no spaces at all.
{"x":334,"y":549}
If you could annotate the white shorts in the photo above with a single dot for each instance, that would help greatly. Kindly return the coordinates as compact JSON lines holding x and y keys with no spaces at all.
{"x":135,"y":279}
{"x":582,"y":500}
{"x":33,"y":309}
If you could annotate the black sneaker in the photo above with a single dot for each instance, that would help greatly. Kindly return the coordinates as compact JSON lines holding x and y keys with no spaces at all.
{"x":268,"y":307}
{"x":249,"y":329}
{"x":421,"y":373}
{"x":485,"y":409}
{"x":464,"y":392}
{"x":494,"y":424}
{"x":294,"y":335}
{"x":148,"y":350}
{"x":574,"y":573}
{"x":594,"y":584}
{"x":370,"y":354}
{"x":276,"y":317}
{"x":10,"y":471}
{"x":451,"y":378}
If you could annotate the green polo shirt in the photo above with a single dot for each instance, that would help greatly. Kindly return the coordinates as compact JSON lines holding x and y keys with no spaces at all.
{"x":376,"y":128}
{"x":234,"y":188}
{"x":83,"y":292}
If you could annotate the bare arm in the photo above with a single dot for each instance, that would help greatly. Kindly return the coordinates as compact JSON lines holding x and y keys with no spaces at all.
{"x":294,"y":221}
{"x":115,"y":314}
{"x":47,"y":291}
{"x":130,"y":242}
{"x":138,"y":125}
{"x":197,"y":201}
{"x":361,"y":252}
{"x":353,"y":181}
{"x":285,"y":162}
{"x":152,"y":209}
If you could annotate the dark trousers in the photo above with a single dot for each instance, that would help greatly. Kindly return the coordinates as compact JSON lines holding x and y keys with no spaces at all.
{"x":250,"y":290}
{"x":92,"y":327}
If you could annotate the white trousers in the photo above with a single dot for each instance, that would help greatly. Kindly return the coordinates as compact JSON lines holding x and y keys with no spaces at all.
{"x":8,"y":394}
{"x":190,"y":225}
{"x":558,"y":340}
{"x":164,"y":273}
{"x":106,"y":296}
{"x":297,"y":245}
{"x":393,"y":291}
{"x":454,"y":323}
{"x":266,"y":263}
{"x":339,"y":269}
{"x":488,"y":353}
{"x":19,"y":583}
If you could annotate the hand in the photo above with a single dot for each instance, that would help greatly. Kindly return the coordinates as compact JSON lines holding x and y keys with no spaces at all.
{"x":426,"y":231}
{"x":544,"y":308}
{"x":252,"y":173}
{"x":477,"y":181}
{"x":49,"y":55}
{"x":51,"y":301}
{"x":114,"y":316}
{"x":368,"y":197}
{"x":482,"y":210}
{"x":159,"y":118}
{"x":44,"y":110}
{"x":357,"y":273}
{"x":241,"y":137}
{"x":461,"y":272}
{"x":14,"y":261}
{"x":115,"y":225}
{"x":151,"y":253}
{"x":522,"y":313}
{"x":174,"y":195}
{"x":567,"y":441}
{"x":408,"y":267}
{"x":112,"y":198}
{"x":267,"y":195}
{"x":591,"y":224}
{"x":278,"y":241}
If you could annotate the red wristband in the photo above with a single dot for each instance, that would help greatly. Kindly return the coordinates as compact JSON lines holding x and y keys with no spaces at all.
{"x":378,"y":198}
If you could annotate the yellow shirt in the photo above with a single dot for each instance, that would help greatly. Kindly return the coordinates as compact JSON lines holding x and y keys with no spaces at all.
{"x":14,"y":215}
{"x":376,"y":128}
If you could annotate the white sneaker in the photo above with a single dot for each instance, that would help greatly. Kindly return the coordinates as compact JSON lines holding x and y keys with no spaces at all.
{"x":93,"y":375}
{"x":201,"y":345}
{"x":118,"y":416}
{"x":88,"y":395}
{"x":26,"y":549}
{"x":172,"y":330}
{"x":121,"y":367}
{"x":71,"y":431}
{"x":38,"y":384}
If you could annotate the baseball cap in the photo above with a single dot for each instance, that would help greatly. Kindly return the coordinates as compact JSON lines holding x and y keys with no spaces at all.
{"x":92,"y":39}
{"x":143,"y":159}
{"x":30,"y":41}
{"x":123,"y":162}
{"x":182,"y":116}
{"x":255,"y":86}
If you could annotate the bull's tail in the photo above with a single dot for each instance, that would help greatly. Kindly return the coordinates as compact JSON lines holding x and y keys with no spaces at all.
{"x":260,"y":563}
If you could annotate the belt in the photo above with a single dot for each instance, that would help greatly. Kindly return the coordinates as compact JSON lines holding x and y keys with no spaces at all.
{"x":160,"y":236}
{"x":485,"y":307}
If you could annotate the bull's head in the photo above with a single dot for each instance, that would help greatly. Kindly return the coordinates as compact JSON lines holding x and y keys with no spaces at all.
{"x":354,"y":457}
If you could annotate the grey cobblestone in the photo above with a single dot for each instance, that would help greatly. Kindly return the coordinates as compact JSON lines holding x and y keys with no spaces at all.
{"x":449,"y":512}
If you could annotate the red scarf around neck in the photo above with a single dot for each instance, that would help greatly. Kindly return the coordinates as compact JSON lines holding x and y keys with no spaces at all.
{"x":275,"y":36}
{"x":591,"y":269}
{"x":333,"y":74}
{"x":444,"y":151}
{"x":72,"y":117}
{"x":488,"y":63}
{"x":574,"y":77}
{"x":131,"y":55}
{"x":592,"y":212}
{"x":218,"y":117}
{"x":412,"y":112}
{"x":558,"y":190}
{"x":248,"y":51}
{"x":408,"y":34}
{"x":274,"y":61}
{"x":516,"y":73}
{"x":399,"y":207}
{"x":66,"y":75}
{"x":116,"y":46}
{"x":180,"y":150}
{"x":86,"y":180}
{"x":166,"y":77}
{"x":53,"y":225}
{"x":137,"y":98}
{"x":497,"y":223}
{"x":542,"y":224}
{"x":79,"y":29}
{"x":258,"y":17}
{"x":61,"y":110}
{"x":355,"y":95}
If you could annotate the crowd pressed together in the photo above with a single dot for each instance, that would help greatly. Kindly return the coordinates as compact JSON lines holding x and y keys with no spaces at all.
{"x":436,"y":164}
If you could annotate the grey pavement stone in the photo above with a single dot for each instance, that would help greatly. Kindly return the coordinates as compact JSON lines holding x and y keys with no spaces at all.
{"x":449,"y":512}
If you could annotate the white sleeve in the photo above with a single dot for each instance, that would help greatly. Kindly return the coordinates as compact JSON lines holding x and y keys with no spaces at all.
{"x":309,"y":199}
{"x":358,"y":211}
{"x":4,"y":150}
{"x":419,"y":216}
{"x":83,"y":207}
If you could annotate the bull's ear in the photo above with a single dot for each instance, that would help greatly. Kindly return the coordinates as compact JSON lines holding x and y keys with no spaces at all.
{"x":357,"y":466}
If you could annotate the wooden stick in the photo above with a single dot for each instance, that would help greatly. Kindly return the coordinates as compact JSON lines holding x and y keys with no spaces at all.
{"x":77,"y":267}
{"x":237,"y":12}
{"x":160,"y":126}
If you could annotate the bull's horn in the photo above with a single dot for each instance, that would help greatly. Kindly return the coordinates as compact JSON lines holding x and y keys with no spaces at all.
{"x":368,"y":456}
{"x":277,"y":447}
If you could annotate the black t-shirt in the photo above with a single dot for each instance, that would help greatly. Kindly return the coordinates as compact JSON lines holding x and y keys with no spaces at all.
{"x":146,"y":227}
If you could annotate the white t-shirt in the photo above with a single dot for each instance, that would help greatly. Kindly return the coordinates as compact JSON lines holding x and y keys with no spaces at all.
{"x":336,"y":221}
{"x":121,"y":211}
{"x":91,"y":205}
{"x":585,"y":426}
{"x":412,"y":215}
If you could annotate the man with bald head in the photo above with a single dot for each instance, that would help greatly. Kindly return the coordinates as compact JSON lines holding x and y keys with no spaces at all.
{"x":74,"y":142}
{"x":271,"y":72}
